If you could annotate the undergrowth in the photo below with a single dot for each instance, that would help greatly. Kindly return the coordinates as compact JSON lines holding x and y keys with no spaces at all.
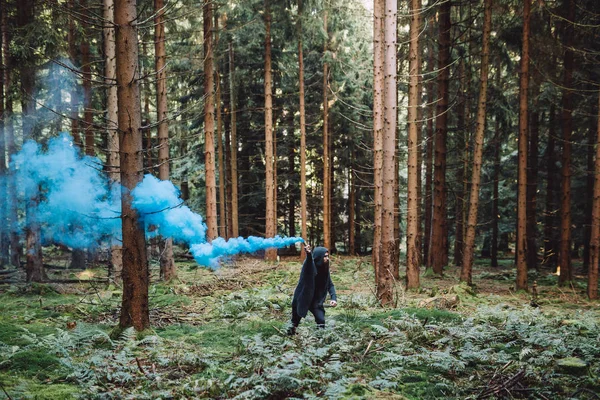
{"x":236,"y":347}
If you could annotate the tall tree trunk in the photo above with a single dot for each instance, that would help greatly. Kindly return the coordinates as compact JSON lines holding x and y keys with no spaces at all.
{"x":385,"y":283}
{"x":326,"y":146}
{"x":303,"y":202}
{"x":467,"y":266}
{"x":9,"y":136}
{"x":4,"y":228}
{"x":351,"y":210}
{"x":564,"y":254}
{"x":429,"y":151}
{"x":220,"y":152}
{"x":413,"y":259}
{"x":378,"y":95}
{"x":532,"y":175}
{"x":271,"y":224}
{"x":34,"y":268}
{"x":521,"y":245}
{"x":134,"y":306}
{"x":209,"y":123}
{"x":234,"y":148}
{"x":496,"y":177}
{"x":168,"y":270}
{"x":592,"y":288}
{"x":439,"y":240}
{"x":86,"y":69}
{"x":461,"y":173}
{"x":73,"y":55}
{"x":589,"y":189}
{"x":550,"y":242}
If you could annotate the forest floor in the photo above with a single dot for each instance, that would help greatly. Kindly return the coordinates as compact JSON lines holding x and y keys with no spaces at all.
{"x":221,"y":334}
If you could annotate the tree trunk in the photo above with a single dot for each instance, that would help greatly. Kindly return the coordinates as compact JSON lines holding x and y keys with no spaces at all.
{"x":461,"y":173}
{"x":73,"y":54}
{"x":134,"y":306}
{"x":351,"y":210}
{"x":496,"y":178}
{"x":429,"y":152}
{"x":564,"y":254}
{"x":592,"y":288}
{"x":550,"y":242}
{"x":385,"y":283}
{"x":326,"y":158}
{"x":234,"y":148}
{"x":589,"y":189}
{"x":413,"y":261}
{"x":303,"y":202}
{"x":378,"y":95}
{"x":439,"y":240}
{"x":86,"y":70}
{"x":209,"y":123}
{"x":168,"y":270}
{"x":220,"y":152}
{"x":4,"y":228}
{"x":532,"y":175}
{"x":521,"y":245}
{"x":466,"y":272}
{"x":271,"y":224}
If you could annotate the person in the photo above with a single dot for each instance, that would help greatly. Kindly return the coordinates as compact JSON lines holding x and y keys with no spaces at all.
{"x":313,"y":286}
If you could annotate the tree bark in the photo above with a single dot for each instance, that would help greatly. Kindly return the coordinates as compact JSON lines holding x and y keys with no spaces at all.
{"x":461,"y":173}
{"x":326,"y":145}
{"x":271,"y":223}
{"x":4,"y":202}
{"x":532,"y":177}
{"x":564,"y":254}
{"x":134,"y":306}
{"x":168,"y":270}
{"x":413,"y":259}
{"x":429,"y":151}
{"x":86,"y":71}
{"x":592,"y":288}
{"x":220,"y":152}
{"x":550,"y":242}
{"x":73,"y":55}
{"x":385,"y":283}
{"x":234,"y":147}
{"x":439,"y":240}
{"x":303,"y":201}
{"x":209,"y":123}
{"x":466,"y":272}
{"x":521,"y":245}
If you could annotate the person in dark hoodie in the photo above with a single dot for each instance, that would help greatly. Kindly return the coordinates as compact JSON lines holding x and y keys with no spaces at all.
{"x":313,"y":286}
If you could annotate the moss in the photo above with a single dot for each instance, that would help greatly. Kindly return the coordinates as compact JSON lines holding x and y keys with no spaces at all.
{"x":33,"y":362}
{"x":572,"y":366}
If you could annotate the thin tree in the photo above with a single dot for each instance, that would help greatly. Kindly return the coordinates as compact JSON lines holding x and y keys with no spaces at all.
{"x":439,"y":239}
{"x":385,"y":282}
{"x":532,"y":178}
{"x":86,"y":72}
{"x":209,"y":123}
{"x":592,"y":288}
{"x":271,"y":223}
{"x":4,"y":237}
{"x":167,"y":263}
{"x":234,"y":147}
{"x":564,"y":254}
{"x":112,"y":117}
{"x":413,"y":256}
{"x":303,"y":203}
{"x":469,"y":246}
{"x":521,"y":282}
{"x":429,"y":150}
{"x":134,"y":306}
{"x":220,"y":151}
{"x":326,"y":145}
{"x":550,"y":243}
{"x":378,"y":91}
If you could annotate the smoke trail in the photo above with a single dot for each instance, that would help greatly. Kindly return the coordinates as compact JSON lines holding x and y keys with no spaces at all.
{"x":80,"y":209}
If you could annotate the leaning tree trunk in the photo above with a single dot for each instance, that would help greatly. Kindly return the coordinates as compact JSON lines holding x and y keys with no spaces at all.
{"x":167,"y":262}
{"x":564,"y":254}
{"x":209,"y":123}
{"x":592,"y":289}
{"x":413,"y":259}
{"x":469,"y":246}
{"x":385,"y":283}
{"x":271,"y":224}
{"x":521,"y":282}
{"x":439,"y":240}
{"x":134,"y":306}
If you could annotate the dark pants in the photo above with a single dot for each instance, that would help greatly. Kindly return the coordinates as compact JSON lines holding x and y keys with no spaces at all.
{"x":317,"y":311}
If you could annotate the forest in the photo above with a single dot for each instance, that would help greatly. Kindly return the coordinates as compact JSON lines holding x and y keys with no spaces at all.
{"x":166,"y":166}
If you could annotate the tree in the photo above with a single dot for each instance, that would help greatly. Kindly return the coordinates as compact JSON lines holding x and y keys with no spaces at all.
{"x":303,"y":203}
{"x":413,"y":259}
{"x":113,"y":163}
{"x":234,"y":147}
{"x":209,"y":123}
{"x":592,"y":287}
{"x":134,"y":306}
{"x":439,"y":239}
{"x":270,"y":164}
{"x":167,"y":263}
{"x":388,"y":238}
{"x":469,"y":246}
{"x":327,"y":168}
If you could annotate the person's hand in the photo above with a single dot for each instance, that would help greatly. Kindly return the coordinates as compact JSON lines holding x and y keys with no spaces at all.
{"x":307,"y":248}
{"x":333,"y":303}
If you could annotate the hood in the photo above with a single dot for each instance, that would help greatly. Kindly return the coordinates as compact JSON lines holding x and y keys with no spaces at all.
{"x":318,"y":254}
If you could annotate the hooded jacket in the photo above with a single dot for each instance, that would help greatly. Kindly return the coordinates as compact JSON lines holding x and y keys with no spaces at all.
{"x":314,"y":283}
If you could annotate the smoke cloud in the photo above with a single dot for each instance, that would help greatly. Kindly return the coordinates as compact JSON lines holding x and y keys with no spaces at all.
{"x":80,"y":208}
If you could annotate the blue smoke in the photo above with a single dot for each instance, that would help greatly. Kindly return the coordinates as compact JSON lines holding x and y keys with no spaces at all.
{"x":79,"y":207}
